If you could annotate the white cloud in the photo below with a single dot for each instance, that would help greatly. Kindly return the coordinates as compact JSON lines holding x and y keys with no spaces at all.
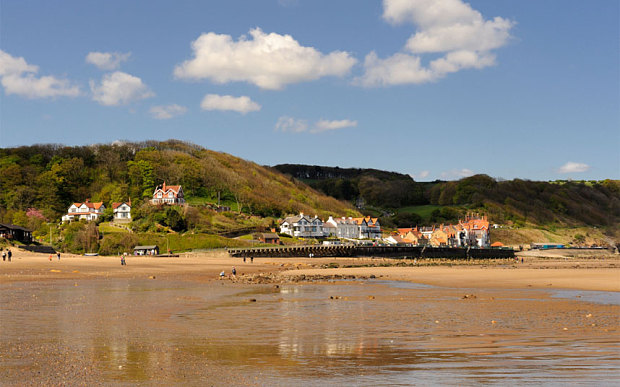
{"x":119,"y":88}
{"x":290,"y":124}
{"x":294,"y":125}
{"x":165,"y":112}
{"x":325,"y":125}
{"x":420,"y":175}
{"x":456,"y":174}
{"x":449,"y":27}
{"x":241,"y":104}
{"x":269,"y":61}
{"x":395,"y":70}
{"x":572,"y":167}
{"x":19,"y":77}
{"x":107,"y":60}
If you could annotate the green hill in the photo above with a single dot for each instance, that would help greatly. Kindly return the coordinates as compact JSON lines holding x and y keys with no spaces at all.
{"x":38,"y":183}
{"x":517,"y":203}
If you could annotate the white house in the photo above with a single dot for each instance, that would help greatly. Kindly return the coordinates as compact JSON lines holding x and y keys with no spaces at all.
{"x":168,"y":194}
{"x":87,"y":210}
{"x":368,"y":228}
{"x":122,"y":212}
{"x":302,"y":226}
{"x":345,"y":227}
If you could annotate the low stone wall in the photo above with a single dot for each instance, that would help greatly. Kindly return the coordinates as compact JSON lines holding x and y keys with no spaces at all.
{"x":373,"y":251}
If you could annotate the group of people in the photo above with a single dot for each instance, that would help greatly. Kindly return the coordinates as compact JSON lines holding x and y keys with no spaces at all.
{"x":233,"y":271}
{"x":8,"y":253}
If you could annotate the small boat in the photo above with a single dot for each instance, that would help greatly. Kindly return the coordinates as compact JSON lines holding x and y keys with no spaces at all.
{"x":91,"y":254}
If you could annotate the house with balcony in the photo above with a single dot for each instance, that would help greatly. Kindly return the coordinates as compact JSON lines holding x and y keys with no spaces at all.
{"x":302,"y":226}
{"x":87,"y":211}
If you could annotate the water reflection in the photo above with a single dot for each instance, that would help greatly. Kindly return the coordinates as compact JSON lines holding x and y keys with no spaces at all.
{"x":143,"y":330}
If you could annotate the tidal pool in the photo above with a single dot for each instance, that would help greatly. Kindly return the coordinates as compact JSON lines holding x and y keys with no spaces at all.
{"x":154,"y":332}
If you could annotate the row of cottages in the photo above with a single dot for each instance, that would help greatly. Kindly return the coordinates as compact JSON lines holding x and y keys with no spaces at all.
{"x":168,"y":194}
{"x":303,"y":226}
{"x":92,"y":211}
{"x":473,"y":231}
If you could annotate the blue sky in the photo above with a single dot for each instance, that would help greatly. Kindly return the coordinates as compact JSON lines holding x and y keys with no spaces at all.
{"x":436,"y":89}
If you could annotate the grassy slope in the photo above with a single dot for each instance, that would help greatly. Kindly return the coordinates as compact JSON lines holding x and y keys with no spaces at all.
{"x":523,"y":236}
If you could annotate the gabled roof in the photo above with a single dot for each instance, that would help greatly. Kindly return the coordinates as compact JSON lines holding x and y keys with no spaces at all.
{"x":96,"y":206}
{"x":116,"y":205}
{"x":13,"y":227}
{"x":291,"y":219}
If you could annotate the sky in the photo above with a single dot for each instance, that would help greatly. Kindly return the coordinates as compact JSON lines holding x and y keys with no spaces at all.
{"x":437,"y":89}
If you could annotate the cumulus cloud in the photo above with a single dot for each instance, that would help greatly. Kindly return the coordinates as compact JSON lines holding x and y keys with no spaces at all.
{"x":18,"y":77}
{"x":290,"y":124}
{"x":448,"y":27}
{"x":269,"y":61}
{"x":572,"y":167}
{"x":294,"y":125}
{"x":119,"y":88}
{"x":165,"y":112}
{"x":107,"y":60}
{"x":241,"y":104}
{"x":456,"y":174}
{"x":420,"y":175}
{"x":325,"y":125}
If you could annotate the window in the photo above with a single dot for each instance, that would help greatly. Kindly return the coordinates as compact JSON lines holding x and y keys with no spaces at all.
{"x":170,"y":195}
{"x":159,"y":194}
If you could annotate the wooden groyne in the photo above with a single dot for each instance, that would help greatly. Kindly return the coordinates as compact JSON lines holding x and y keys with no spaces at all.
{"x":373,"y":251}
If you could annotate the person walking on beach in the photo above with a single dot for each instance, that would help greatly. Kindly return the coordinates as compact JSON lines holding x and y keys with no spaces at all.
{"x":3,"y":255}
{"x":58,"y":255}
{"x":222,"y":274}
{"x":50,"y":257}
{"x":244,"y":259}
{"x":251,"y":259}
{"x":9,"y":254}
{"x":123,"y":263}
{"x":234,"y":272}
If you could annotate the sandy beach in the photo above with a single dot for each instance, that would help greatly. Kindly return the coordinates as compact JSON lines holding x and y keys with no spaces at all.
{"x":540,"y":270}
{"x":89,"y":320}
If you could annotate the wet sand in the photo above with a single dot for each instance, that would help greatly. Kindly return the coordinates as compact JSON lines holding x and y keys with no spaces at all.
{"x":600,"y":273}
{"x":89,"y":320}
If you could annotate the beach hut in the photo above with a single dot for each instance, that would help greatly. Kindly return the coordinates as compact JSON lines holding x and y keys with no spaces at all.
{"x":146,"y":250}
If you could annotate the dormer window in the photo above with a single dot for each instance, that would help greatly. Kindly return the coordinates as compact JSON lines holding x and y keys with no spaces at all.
{"x":159,"y":194}
{"x":170,"y":194}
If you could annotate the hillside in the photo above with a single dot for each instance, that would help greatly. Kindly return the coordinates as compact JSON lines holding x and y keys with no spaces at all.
{"x":38,"y":183}
{"x":517,"y":203}
{"x":380,"y":189}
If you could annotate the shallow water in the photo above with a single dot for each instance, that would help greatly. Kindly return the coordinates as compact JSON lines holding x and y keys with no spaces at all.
{"x":160,"y":332}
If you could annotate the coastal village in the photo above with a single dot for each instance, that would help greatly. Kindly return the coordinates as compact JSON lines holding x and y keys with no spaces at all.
{"x":472,"y":231}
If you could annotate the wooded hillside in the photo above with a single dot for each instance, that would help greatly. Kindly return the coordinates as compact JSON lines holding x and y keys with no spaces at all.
{"x":519,"y":202}
{"x":51,"y":177}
